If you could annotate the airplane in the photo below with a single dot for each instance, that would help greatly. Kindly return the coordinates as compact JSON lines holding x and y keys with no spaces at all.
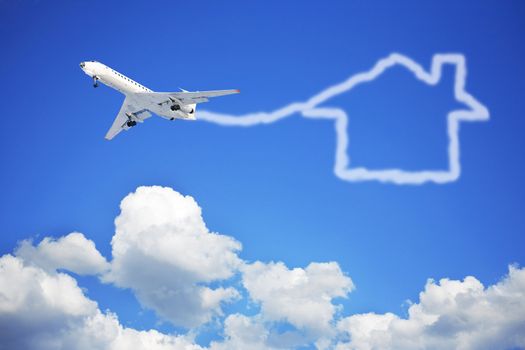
{"x":140,"y":102}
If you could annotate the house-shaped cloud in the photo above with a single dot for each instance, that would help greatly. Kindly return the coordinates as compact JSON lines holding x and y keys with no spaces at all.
{"x":342,"y":167}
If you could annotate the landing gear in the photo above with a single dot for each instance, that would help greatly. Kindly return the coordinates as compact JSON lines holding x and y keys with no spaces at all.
{"x":95,"y":81}
{"x":175,"y":107}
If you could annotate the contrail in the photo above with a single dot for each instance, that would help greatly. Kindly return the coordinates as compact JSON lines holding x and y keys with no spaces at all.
{"x":342,"y":166}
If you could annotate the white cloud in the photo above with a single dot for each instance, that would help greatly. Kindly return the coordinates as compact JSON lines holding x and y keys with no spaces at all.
{"x":243,"y":333}
{"x":302,"y":297}
{"x":41,"y":310}
{"x":72,"y":252}
{"x":164,"y":252}
{"x":450,"y":315}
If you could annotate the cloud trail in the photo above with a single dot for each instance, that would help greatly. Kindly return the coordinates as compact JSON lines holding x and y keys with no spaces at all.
{"x":342,"y":167}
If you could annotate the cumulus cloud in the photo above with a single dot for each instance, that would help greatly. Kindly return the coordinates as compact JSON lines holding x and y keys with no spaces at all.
{"x":450,"y":315}
{"x":243,"y":333}
{"x":164,"y":252}
{"x":302,"y":297}
{"x":73,"y":252}
{"x":43,"y":310}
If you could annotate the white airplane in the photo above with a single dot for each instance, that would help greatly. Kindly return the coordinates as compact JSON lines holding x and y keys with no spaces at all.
{"x":140,"y":102}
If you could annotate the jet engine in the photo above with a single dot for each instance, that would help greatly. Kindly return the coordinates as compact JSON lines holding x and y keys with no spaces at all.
{"x":182,"y":108}
{"x":187,"y":109}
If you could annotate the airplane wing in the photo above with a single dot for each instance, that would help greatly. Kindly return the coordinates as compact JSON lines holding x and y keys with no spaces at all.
{"x":200,"y":96}
{"x":136,"y":106}
{"x":128,"y":112}
{"x":185,"y":97}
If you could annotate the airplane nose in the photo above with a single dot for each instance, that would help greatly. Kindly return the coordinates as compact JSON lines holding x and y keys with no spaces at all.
{"x":82,"y":64}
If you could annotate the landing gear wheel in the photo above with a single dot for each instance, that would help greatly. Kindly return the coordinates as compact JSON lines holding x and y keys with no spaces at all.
{"x":175,"y":107}
{"x":95,"y":82}
{"x":131,"y":123}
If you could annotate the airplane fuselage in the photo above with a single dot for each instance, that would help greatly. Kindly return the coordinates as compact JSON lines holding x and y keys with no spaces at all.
{"x":112,"y":78}
{"x":108,"y":76}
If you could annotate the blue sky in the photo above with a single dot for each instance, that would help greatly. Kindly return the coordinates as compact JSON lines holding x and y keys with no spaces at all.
{"x":271,"y":187}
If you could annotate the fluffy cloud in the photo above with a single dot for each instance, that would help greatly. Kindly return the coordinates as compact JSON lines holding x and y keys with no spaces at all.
{"x":72,"y":252}
{"x":164,"y":252}
{"x":450,"y":315}
{"x":302,"y":297}
{"x":43,"y":310}
{"x":243,"y":333}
